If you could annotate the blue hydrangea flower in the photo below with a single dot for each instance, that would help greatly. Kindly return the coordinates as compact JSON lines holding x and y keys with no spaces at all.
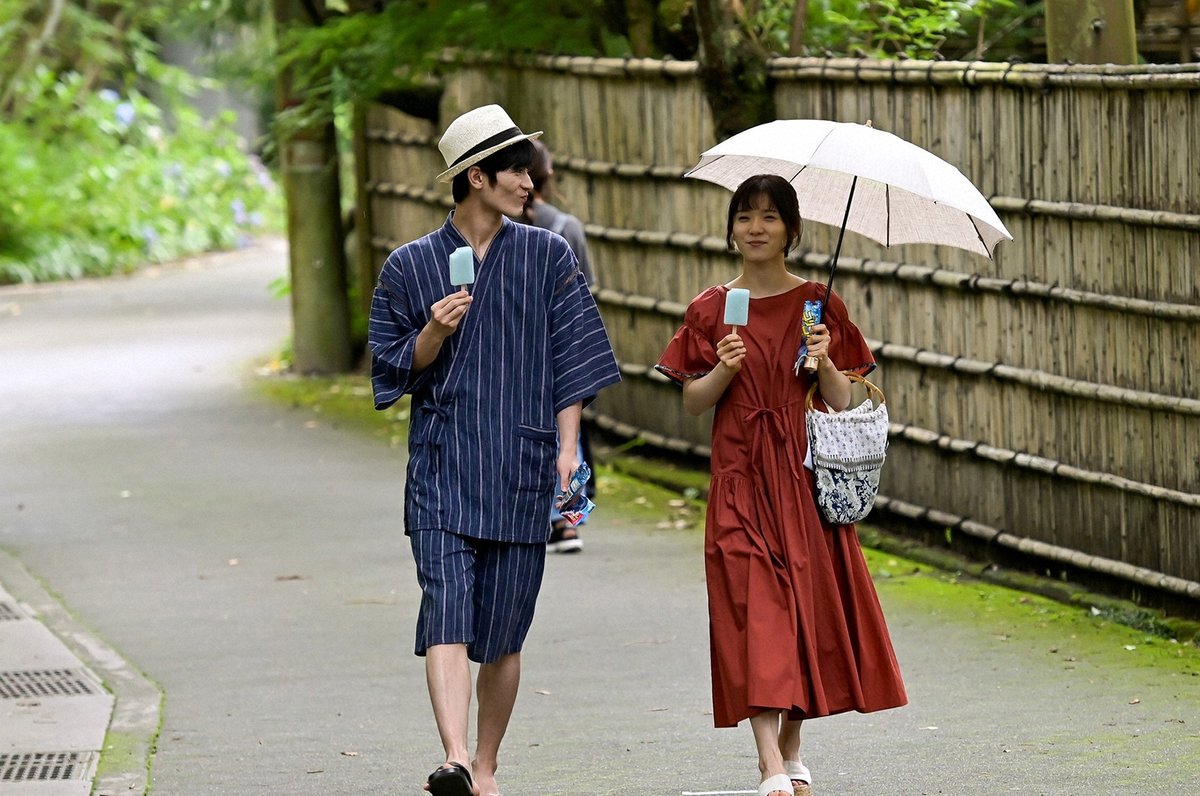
{"x":125,"y":114}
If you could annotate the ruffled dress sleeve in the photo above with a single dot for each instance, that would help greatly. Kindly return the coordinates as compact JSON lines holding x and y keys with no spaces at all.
{"x":691,"y":352}
{"x":847,"y":346}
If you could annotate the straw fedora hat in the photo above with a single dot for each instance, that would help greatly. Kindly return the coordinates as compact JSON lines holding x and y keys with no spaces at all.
{"x":476,"y":134}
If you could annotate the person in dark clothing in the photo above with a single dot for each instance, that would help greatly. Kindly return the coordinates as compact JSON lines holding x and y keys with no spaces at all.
{"x":540,"y":212}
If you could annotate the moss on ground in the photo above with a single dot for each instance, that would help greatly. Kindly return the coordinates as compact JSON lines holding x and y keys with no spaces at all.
{"x":1066,"y":631}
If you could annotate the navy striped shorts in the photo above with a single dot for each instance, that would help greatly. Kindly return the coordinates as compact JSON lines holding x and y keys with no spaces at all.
{"x":475,"y":592}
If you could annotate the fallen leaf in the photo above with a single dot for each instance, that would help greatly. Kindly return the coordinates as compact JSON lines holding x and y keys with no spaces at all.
{"x":543,"y":693}
{"x":1134,"y":701}
{"x":349,"y":754}
{"x":291,"y":577}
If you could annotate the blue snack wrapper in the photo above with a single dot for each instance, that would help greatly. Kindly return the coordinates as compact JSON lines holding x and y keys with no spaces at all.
{"x":573,"y":504}
{"x":810,"y":318}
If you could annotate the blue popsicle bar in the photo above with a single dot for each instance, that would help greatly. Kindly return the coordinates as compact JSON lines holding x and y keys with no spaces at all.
{"x":462,"y":266}
{"x":737,"y":306}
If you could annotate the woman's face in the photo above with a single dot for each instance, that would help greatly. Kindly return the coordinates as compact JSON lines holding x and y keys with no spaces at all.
{"x":759,"y":232}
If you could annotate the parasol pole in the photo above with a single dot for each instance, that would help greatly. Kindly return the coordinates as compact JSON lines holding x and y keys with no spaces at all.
{"x":810,"y":363}
{"x":841,"y":234}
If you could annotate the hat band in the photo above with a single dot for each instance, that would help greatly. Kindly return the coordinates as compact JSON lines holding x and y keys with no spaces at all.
{"x":488,"y":143}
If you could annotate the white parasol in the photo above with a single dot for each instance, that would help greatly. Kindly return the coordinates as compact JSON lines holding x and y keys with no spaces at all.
{"x":855,"y":177}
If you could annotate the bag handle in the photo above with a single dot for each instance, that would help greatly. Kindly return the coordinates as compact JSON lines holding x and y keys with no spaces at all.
{"x":872,"y":390}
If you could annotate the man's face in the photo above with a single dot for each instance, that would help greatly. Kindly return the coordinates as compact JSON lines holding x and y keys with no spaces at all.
{"x":509,"y":193}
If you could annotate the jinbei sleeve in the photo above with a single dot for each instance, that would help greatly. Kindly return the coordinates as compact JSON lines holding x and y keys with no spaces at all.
{"x":392,"y":338}
{"x":582,"y":356}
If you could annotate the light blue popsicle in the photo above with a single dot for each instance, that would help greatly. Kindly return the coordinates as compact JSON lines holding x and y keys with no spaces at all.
{"x":737,"y":306}
{"x":462,"y":266}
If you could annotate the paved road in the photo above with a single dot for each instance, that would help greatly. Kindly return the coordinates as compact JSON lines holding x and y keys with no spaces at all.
{"x":251,"y":562}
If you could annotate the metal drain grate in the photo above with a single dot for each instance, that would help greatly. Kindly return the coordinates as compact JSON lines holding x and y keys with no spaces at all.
{"x":44,"y":766}
{"x":45,"y":683}
{"x":8,"y":611}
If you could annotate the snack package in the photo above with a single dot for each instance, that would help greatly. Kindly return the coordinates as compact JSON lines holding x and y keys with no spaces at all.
{"x":573,"y":504}
{"x":810,"y":318}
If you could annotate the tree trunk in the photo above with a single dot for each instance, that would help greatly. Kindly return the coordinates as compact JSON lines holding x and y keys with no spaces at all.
{"x":1090,"y":32}
{"x":366,"y":265}
{"x":640,"y":14}
{"x":734,"y":71}
{"x":309,"y":164}
{"x":32,"y":51}
{"x":799,"y":26}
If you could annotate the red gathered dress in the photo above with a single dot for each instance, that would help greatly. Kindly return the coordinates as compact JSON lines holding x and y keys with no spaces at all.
{"x":794,"y":620}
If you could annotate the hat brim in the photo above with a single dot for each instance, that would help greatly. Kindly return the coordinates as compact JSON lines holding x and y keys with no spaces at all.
{"x":449,"y":174}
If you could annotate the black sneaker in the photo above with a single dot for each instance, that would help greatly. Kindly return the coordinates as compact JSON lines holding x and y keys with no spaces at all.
{"x":564,"y":539}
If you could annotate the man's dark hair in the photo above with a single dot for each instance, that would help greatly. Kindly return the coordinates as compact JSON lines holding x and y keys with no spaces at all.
{"x":779,"y":193}
{"x":515,"y":156}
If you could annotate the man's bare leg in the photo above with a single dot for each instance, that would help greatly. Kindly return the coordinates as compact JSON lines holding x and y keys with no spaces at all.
{"x":448,"y":676}
{"x":498,"y":683}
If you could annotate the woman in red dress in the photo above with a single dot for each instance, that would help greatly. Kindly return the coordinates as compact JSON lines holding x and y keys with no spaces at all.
{"x":796,"y":631}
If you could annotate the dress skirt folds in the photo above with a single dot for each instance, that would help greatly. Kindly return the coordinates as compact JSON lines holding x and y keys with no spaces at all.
{"x":795,"y":623}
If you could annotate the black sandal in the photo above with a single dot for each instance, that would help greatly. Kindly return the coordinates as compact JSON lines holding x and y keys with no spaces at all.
{"x":452,"y":779}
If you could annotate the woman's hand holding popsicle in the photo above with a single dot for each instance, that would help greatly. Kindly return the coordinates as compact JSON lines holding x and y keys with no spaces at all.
{"x":732,"y":352}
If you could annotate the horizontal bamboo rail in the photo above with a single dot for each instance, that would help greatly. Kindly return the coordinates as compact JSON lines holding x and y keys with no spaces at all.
{"x":660,"y":441}
{"x":1040,"y":464}
{"x":1137,"y":77}
{"x":1044,"y":550}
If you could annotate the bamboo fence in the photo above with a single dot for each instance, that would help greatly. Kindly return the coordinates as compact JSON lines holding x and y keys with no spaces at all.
{"x":1044,"y":402}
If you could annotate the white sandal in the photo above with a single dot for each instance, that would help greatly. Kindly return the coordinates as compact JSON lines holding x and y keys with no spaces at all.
{"x":801,"y":777}
{"x":780,"y":783}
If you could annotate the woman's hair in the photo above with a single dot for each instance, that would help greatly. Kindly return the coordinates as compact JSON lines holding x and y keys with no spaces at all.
{"x":779,"y":194}
{"x":539,"y":172}
{"x":515,"y":156}
{"x":541,"y":167}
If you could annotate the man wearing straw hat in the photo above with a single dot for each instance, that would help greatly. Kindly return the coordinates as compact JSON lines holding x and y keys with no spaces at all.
{"x":499,"y":374}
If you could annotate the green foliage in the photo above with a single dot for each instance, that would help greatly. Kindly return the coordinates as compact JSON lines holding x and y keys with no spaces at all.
{"x":405,"y":45}
{"x":897,"y":28}
{"x":97,"y":177}
{"x":888,"y":28}
{"x":96,"y":184}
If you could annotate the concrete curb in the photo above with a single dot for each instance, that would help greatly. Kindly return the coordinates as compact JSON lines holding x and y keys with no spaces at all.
{"x":124,"y":765}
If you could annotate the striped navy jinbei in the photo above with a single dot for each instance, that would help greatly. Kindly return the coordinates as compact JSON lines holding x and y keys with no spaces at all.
{"x":482,"y":434}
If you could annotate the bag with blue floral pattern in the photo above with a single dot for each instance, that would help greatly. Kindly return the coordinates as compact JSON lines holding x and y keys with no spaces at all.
{"x":847,"y":450}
